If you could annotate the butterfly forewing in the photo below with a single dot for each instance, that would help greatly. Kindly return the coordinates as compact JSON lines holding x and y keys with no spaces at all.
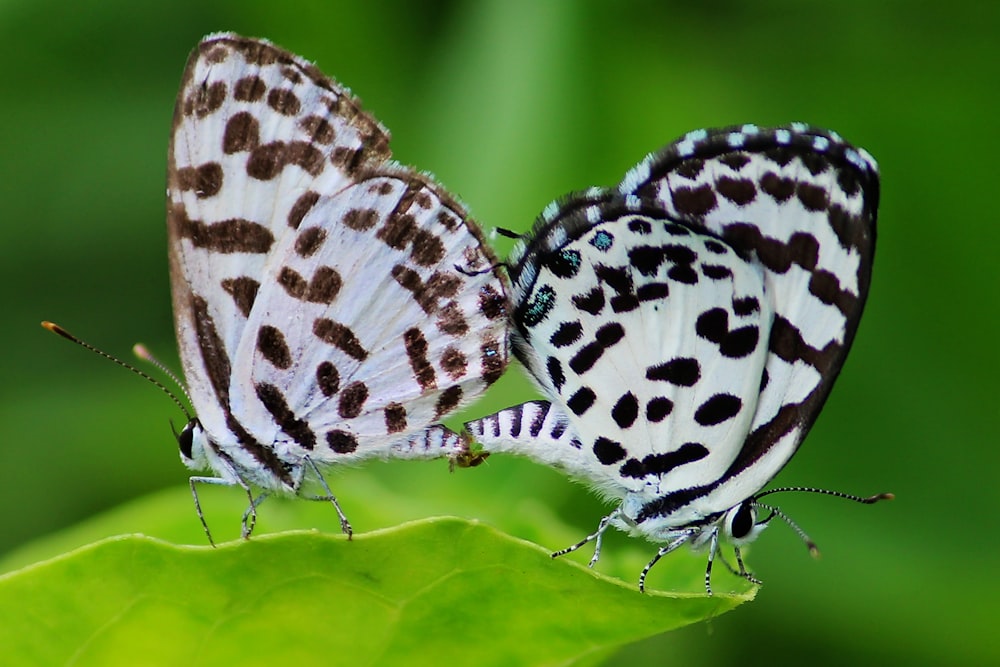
{"x":255,"y":133}
{"x":328,"y":302}
{"x":800,"y":204}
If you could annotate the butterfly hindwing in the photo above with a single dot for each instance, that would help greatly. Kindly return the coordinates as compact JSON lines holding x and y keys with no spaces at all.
{"x":365,"y":328}
{"x":614,"y":326}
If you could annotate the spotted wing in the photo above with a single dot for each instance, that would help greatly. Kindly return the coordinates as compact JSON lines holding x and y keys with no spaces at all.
{"x":314,"y":281}
{"x":800,"y":204}
{"x":381,"y":314}
{"x":691,"y":348}
{"x":259,"y":135}
{"x":648,"y":335}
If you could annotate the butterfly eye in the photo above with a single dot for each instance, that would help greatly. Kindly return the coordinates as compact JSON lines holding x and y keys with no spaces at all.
{"x":185,"y":439}
{"x":741,"y":522}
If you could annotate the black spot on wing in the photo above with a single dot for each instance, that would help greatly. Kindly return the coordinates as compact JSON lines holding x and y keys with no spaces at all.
{"x":271,"y":345}
{"x":626,"y":410}
{"x":274,"y":401}
{"x":581,"y":400}
{"x":608,"y":451}
{"x":682,"y":371}
{"x":662,"y":463}
{"x":717,"y":409}
{"x":538,"y":306}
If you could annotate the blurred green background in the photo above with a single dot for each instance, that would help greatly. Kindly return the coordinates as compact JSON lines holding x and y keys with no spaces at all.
{"x":511,"y":104}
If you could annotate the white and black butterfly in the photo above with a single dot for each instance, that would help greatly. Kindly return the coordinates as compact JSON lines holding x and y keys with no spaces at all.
{"x":330,"y":305}
{"x":688,"y":325}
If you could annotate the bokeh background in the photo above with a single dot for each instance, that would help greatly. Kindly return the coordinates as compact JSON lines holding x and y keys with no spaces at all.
{"x":511,"y":103}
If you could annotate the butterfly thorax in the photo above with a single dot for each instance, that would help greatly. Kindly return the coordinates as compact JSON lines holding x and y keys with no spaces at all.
{"x":696,"y":522}
{"x":200,"y":452}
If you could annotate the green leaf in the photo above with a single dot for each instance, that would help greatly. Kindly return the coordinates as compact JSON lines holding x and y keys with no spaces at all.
{"x":432,"y":591}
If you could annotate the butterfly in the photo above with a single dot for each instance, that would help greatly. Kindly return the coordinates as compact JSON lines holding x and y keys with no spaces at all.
{"x":688,"y":325}
{"x":330,"y":305}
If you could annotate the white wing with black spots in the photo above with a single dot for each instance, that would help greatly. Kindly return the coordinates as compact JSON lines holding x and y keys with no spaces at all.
{"x":368,"y":335}
{"x":330,"y":305}
{"x":648,"y":334}
{"x":801,"y":205}
{"x":688,"y":324}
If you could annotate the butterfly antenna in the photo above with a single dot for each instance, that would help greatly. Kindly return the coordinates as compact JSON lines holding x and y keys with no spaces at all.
{"x":507,"y":233}
{"x":56,"y":329}
{"x":865,"y":500}
{"x":482,"y":272}
{"x":813,"y":549}
{"x":471,"y":273}
{"x":143,"y":353}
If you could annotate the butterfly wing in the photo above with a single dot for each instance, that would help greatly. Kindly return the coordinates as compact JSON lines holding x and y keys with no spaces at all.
{"x":801,"y":204}
{"x":614,"y":327}
{"x":743,"y":261}
{"x":381,"y":315}
{"x":269,"y":159}
{"x":258,"y":133}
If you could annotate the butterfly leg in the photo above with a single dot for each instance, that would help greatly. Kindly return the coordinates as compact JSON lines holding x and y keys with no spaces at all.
{"x":663,"y":551}
{"x":743,"y":570}
{"x":221,"y":481}
{"x":345,"y":525}
{"x":596,"y":537}
{"x":713,"y":549}
{"x":250,"y":515}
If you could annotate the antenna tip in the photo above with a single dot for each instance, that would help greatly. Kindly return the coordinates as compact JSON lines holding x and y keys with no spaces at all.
{"x":506,"y":233}
{"x":56,"y":329}
{"x":813,"y":550}
{"x":141,"y":351}
{"x":880,"y":496}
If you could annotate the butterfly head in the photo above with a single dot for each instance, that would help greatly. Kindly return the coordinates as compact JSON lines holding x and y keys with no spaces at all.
{"x":192,"y":442}
{"x":740,"y":525}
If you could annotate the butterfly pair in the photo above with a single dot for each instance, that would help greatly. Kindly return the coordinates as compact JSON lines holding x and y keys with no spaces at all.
{"x":333,"y":306}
